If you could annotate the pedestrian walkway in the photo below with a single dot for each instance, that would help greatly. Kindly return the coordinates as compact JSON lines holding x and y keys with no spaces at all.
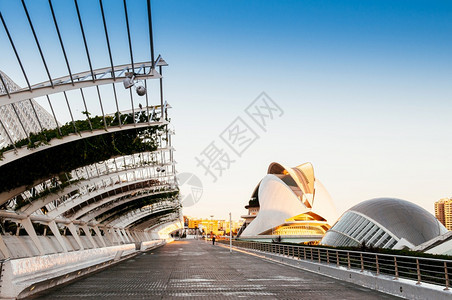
{"x":195,"y":269}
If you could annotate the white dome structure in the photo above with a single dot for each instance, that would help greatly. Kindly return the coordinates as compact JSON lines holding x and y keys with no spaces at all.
{"x":292,"y":204}
{"x":384,"y":223}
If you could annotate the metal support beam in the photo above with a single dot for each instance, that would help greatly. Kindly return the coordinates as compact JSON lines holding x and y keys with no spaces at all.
{"x":15,"y":52}
{"x":21,"y":123}
{"x":101,"y":107}
{"x":61,"y":41}
{"x":53,"y":113}
{"x":162,"y":114}
{"x":128,"y":33}
{"x":86,"y":110}
{"x":70,"y":111}
{"x":63,"y":84}
{"x":108,"y":41}
{"x":84,"y":40}
{"x":36,"y":115}
{"x":37,"y":42}
{"x":151,"y":38}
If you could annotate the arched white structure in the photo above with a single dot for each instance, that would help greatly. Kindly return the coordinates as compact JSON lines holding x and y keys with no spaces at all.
{"x":83,"y":155}
{"x":292,"y":204}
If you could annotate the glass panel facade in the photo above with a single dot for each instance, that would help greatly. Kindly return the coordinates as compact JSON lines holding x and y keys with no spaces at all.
{"x":352,"y":229}
{"x":335,"y":239}
{"x":299,"y":230}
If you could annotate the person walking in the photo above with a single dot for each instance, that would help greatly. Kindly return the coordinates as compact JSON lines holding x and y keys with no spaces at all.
{"x":213,"y":240}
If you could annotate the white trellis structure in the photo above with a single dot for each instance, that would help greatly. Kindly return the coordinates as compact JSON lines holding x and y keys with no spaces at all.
{"x":109,"y":202}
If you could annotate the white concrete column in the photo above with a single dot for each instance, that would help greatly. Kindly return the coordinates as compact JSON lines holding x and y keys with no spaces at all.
{"x":136,"y":235}
{"x":32,"y":233}
{"x":123,"y":234}
{"x":116,"y":238}
{"x":147,"y":235}
{"x":99,"y":234}
{"x":132,"y":236}
{"x":4,"y":249}
{"x":126,"y":236}
{"x":115,"y":235}
{"x":88,"y":234}
{"x":56,"y":232}
{"x":109,"y":236}
{"x":74,"y":233}
{"x":129,"y":237}
{"x":118,"y":232}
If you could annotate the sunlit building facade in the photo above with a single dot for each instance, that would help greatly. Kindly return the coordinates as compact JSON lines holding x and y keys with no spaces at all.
{"x":384,"y":223}
{"x":292,"y":204}
{"x":217,"y":227}
{"x":443,"y":212}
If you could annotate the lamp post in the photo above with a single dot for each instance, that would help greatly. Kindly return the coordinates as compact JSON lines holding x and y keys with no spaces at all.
{"x":230,"y":233}
{"x":211,"y":225}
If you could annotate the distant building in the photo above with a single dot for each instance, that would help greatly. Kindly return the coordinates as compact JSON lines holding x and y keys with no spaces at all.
{"x":443,"y":212}
{"x":217,"y":227}
{"x":253,"y":209}
{"x":224,"y":226}
{"x":19,"y":119}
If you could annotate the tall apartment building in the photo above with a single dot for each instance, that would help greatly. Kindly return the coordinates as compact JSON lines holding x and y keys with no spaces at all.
{"x":19,"y":119}
{"x":443,"y":212}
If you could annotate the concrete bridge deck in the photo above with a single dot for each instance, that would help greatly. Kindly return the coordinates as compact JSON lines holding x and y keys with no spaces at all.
{"x":194,"y":269}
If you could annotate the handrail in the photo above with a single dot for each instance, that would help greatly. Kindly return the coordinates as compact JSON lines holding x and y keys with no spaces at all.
{"x":420,"y":269}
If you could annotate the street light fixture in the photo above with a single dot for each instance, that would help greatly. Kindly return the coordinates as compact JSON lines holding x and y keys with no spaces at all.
{"x":130,"y":81}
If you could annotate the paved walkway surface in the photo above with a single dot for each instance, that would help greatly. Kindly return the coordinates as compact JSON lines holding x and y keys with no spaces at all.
{"x":193,"y":269}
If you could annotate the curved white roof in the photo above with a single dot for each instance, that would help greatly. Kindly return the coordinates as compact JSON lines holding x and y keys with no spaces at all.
{"x":277,"y":203}
{"x":286,"y":193}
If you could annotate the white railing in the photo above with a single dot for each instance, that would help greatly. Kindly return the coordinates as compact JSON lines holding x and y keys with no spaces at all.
{"x":420,"y":269}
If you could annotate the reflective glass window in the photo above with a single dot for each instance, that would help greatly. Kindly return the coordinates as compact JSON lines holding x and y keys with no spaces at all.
{"x":364,"y":231}
{"x":371,"y":233}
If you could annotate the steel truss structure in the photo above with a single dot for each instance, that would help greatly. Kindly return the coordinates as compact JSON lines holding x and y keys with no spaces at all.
{"x":116,"y":200}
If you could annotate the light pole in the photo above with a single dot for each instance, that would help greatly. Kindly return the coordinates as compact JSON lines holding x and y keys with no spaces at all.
{"x":230,"y":233}
{"x":211,"y":226}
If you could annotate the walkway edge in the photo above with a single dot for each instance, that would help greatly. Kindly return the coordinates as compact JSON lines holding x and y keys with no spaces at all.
{"x":18,"y":282}
{"x":403,"y":288}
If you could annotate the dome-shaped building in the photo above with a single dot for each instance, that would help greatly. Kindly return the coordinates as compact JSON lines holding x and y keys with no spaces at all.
{"x":384,"y":223}
{"x":289,"y":203}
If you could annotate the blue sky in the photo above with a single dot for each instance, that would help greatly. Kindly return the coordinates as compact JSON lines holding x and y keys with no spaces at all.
{"x":365,"y":87}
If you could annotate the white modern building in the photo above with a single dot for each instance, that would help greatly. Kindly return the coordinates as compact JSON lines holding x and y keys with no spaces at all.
{"x":292,"y":205}
{"x":384,"y":223}
{"x":20,"y":119}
